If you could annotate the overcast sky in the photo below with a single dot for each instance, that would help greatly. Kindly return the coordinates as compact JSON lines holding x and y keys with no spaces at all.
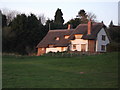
{"x":105,"y":10}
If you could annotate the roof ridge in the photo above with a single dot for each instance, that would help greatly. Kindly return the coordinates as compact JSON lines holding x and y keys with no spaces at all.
{"x":59,"y":30}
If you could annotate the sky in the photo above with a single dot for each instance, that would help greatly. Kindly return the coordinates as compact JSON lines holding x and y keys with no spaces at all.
{"x":119,"y":13}
{"x":105,"y":10}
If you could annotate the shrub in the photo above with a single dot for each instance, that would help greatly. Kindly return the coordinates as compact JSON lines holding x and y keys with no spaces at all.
{"x":113,"y":47}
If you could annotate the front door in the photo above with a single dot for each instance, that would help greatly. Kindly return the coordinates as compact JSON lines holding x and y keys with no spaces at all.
{"x":83,"y":47}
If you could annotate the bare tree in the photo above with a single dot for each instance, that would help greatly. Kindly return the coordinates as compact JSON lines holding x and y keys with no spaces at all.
{"x":10,"y":14}
{"x":86,"y":16}
{"x":42,"y":18}
{"x":91,"y":16}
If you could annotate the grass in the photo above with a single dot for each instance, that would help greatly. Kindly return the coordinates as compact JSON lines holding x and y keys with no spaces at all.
{"x":95,"y":71}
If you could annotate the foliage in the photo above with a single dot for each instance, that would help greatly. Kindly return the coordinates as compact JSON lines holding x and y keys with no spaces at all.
{"x":25,"y":31}
{"x":83,"y":16}
{"x":4,"y":21}
{"x":50,"y":24}
{"x":111,"y":24}
{"x":57,"y":23}
{"x":114,"y":32}
{"x":113,"y":46}
{"x":10,"y":14}
{"x":68,"y":54}
{"x":21,"y":33}
{"x":96,"y":71}
{"x":8,"y":38}
{"x":74,"y":22}
{"x":58,"y":17}
{"x":91,"y":16}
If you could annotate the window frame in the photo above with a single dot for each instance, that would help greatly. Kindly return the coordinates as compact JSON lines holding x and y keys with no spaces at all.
{"x":103,"y":47}
{"x":66,"y":36}
{"x":103,"y":37}
{"x":57,"y":38}
{"x":74,"y":46}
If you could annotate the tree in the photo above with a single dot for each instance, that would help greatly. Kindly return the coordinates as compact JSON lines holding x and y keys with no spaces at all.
{"x":22,"y":34}
{"x":91,"y":16}
{"x":83,"y":16}
{"x":59,"y":17}
{"x":74,"y":22}
{"x":10,"y":14}
{"x":4,"y":20}
{"x":8,"y":37}
{"x":19,"y":27}
{"x":111,"y":24}
{"x":35,"y":29}
{"x":50,"y":25}
{"x":29,"y":31}
{"x":42,"y":19}
{"x":81,"y":13}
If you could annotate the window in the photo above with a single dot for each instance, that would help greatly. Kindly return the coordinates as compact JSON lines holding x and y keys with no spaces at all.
{"x":51,"y":46}
{"x":57,"y":38}
{"x":42,"y":49}
{"x":78,"y":36}
{"x":103,"y":47}
{"x":74,"y":46}
{"x":83,"y":47}
{"x":66,"y":36}
{"x":62,"y":48}
{"x":103,"y":37}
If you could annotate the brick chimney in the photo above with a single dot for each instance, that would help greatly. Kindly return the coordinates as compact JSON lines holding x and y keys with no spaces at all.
{"x":89,"y":27}
{"x":69,"y":26}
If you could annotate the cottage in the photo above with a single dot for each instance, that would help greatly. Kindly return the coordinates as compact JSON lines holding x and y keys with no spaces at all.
{"x":91,"y":37}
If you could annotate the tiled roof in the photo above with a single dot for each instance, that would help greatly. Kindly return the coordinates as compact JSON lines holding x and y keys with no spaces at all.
{"x":50,"y":38}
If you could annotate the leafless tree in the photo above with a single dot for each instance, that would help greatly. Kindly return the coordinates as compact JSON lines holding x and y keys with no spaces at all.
{"x":42,"y":18}
{"x":10,"y":14}
{"x":91,"y":16}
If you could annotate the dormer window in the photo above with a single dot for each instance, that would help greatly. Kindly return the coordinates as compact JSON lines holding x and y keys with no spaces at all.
{"x":57,"y":38}
{"x":50,"y":46}
{"x":78,"y":36}
{"x":66,"y":36}
{"x":103,"y":37}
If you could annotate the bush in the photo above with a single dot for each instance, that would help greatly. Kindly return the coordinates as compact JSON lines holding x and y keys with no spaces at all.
{"x":113,"y":47}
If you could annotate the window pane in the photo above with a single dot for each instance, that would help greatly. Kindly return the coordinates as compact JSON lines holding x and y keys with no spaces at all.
{"x":102,"y":47}
{"x":103,"y":37}
{"x":74,"y":46}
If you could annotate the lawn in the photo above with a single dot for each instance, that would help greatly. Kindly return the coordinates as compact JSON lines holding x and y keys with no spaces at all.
{"x":95,"y":71}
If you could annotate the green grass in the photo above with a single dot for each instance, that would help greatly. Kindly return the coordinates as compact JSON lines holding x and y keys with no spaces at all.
{"x":100,"y":71}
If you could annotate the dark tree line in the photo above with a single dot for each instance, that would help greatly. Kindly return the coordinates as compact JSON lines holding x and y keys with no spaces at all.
{"x":114,"y":33}
{"x":58,"y":23}
{"x":22,"y":33}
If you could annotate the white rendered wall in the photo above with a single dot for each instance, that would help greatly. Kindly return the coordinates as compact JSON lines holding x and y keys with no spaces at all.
{"x":100,"y":42}
{"x":56,"y":49}
{"x":78,"y":43}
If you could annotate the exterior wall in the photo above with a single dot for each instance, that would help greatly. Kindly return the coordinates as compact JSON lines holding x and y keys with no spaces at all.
{"x":78,"y":43}
{"x":56,"y":49}
{"x":91,"y":45}
{"x":100,"y":42}
{"x":41,"y":51}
